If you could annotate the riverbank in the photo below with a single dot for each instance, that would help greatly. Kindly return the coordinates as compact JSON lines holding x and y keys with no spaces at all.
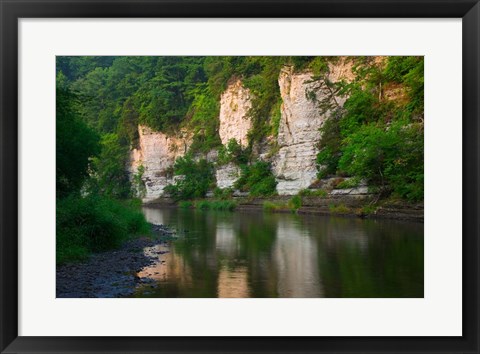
{"x":361,"y":206}
{"x":112,"y":273}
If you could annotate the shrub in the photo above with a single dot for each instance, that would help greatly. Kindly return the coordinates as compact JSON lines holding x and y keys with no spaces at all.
{"x":225,"y":193}
{"x":202,"y":204}
{"x":271,"y":206}
{"x":368,"y":209}
{"x":204,"y":122}
{"x":295,"y":202}
{"x":185,"y":204}
{"x":138,"y":185}
{"x":216,"y":205}
{"x":110,"y":177}
{"x":388,"y":157}
{"x":257,"y":179}
{"x":338,"y":209}
{"x":196,"y":181}
{"x":409,"y":71}
{"x":76,"y":142}
{"x":94,"y":224}
{"x":224,"y":205}
{"x":276,"y":117}
{"x":329,"y":145}
{"x":232,"y":152}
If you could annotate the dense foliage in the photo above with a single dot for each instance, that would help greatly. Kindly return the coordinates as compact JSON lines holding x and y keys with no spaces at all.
{"x":257,"y":179}
{"x":378,"y":134}
{"x":75,"y":143}
{"x":167,"y":93}
{"x":194,"y":180}
{"x":109,"y":175}
{"x":88,"y":219}
{"x":232,"y":152}
{"x":94,"y":223}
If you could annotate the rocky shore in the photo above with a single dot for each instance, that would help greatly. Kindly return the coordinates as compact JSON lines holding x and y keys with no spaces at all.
{"x":112,"y":273}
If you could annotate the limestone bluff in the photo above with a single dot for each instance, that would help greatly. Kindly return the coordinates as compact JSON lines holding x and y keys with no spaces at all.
{"x":294,"y":161}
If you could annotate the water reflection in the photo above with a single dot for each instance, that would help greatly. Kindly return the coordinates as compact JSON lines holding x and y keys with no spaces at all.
{"x":252,"y":254}
{"x":296,"y":258}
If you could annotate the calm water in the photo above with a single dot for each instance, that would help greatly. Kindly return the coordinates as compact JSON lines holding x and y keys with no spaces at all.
{"x":256,"y":254}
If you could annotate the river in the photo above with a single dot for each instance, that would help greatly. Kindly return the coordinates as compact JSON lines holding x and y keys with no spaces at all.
{"x":256,"y":254}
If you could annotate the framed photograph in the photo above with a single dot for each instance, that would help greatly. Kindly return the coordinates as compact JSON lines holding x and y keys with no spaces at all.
{"x":259,"y":176}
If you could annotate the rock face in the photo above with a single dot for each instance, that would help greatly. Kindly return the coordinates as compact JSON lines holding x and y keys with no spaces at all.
{"x":303,"y":113}
{"x":294,"y":165}
{"x":361,"y":190}
{"x":157,"y":153}
{"x":227,"y":175}
{"x":234,"y":105}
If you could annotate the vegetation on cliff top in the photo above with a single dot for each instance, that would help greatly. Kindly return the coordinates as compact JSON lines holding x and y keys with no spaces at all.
{"x":167,"y":93}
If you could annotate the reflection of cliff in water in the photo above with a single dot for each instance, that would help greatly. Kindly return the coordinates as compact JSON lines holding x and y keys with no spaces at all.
{"x":244,"y":254}
{"x":295,"y":258}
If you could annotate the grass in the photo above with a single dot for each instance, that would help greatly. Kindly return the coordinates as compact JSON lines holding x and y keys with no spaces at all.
{"x":270,"y":206}
{"x":273,"y":207}
{"x":186,"y":204}
{"x":338,"y":209}
{"x":216,"y":205}
{"x":225,"y":193}
{"x":368,"y":209}
{"x":92,"y":224}
{"x":295,"y":203}
{"x":292,"y":205}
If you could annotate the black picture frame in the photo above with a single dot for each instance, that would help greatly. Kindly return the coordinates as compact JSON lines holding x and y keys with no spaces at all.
{"x":11,"y":11}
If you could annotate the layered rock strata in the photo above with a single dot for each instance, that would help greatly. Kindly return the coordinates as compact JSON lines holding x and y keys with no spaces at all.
{"x":157,"y":153}
{"x":227,"y":175}
{"x":307,"y":103}
{"x":235,"y":103}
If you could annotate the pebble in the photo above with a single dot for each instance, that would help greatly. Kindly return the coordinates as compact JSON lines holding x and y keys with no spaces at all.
{"x":111,"y":273}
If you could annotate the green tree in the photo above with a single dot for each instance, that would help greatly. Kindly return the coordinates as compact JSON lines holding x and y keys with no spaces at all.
{"x":195,"y":178}
{"x":76,"y":143}
{"x":374,"y":137}
{"x":257,"y":179}
{"x":390,"y":157}
{"x":110,"y":177}
{"x":202,"y":119}
{"x":232,"y":152}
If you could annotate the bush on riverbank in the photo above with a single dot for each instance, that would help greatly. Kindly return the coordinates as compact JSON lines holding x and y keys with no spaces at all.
{"x":292,"y":205}
{"x":257,"y":179}
{"x":94,"y":224}
{"x":272,"y":207}
{"x":186,"y":204}
{"x":225,"y":193}
{"x":195,"y":178}
{"x":86,"y":165}
{"x":339,"y":209}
